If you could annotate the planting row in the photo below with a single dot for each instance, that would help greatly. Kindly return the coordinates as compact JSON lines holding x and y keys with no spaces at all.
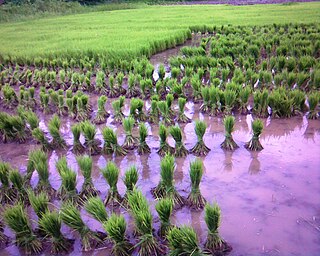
{"x":17,"y":191}
{"x":19,"y":128}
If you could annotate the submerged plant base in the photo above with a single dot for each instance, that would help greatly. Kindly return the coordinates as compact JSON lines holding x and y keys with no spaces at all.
{"x":78,"y":148}
{"x":254,"y":145}
{"x":182,"y":118}
{"x":129,"y":143}
{"x":149,"y":246}
{"x":217,"y":246}
{"x":161,"y":192}
{"x":196,"y":201}
{"x":229,"y":144}
{"x":88,"y":190}
{"x":200,"y":149}
{"x":143,"y":149}
{"x":113,"y":198}
{"x":180,"y":151}
{"x":164,"y":149}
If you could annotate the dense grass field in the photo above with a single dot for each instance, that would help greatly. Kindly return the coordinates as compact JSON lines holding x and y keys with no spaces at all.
{"x":130,"y":32}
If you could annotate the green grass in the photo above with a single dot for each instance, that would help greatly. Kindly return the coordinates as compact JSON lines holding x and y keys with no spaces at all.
{"x":124,"y":33}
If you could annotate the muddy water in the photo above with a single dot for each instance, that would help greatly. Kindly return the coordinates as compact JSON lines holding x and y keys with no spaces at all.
{"x":269,"y":200}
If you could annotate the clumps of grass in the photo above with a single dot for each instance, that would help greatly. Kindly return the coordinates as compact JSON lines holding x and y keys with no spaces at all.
{"x":195,"y":200}
{"x":179,"y":150}
{"x":17,"y":220}
{"x":165,"y":148}
{"x":111,"y":174}
{"x":117,"y":106}
{"x":50,"y":223}
{"x":313,"y":100}
{"x":116,"y":228}
{"x":183,"y":241}
{"x":102,"y":114}
{"x":95,"y":207}
{"x":111,"y":145}
{"x":200,"y":149}
{"x":6,"y":193}
{"x":77,"y":148}
{"x":164,"y":208}
{"x":130,"y":142}
{"x":88,"y":190}
{"x":182,"y":118}
{"x":165,"y":188}
{"x":18,"y":186}
{"x":139,"y":207}
{"x":54,"y":129}
{"x":89,"y":132}
{"x":254,"y":144}
{"x":143,"y":147}
{"x":229,"y":143}
{"x":71,"y":216}
{"x":214,"y":243}
{"x":38,"y":134}
{"x":39,"y":202}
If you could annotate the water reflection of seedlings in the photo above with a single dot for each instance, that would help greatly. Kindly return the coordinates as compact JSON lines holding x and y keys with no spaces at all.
{"x":228,"y":161}
{"x":255,"y":165}
{"x":310,"y":131}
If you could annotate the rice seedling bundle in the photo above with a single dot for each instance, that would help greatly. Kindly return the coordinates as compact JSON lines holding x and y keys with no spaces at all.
{"x":313,"y":100}
{"x":214,"y":243}
{"x":130,"y":180}
{"x":141,"y":115}
{"x":62,"y":111}
{"x":77,"y":147}
{"x":205,"y":107}
{"x":164,"y":208}
{"x":195,"y":200}
{"x":229,"y":143}
{"x":111,"y":174}
{"x":100,"y":83}
{"x":113,"y":89}
{"x":130,"y":142}
{"x":196,"y":87}
{"x":38,"y":134}
{"x":88,"y":190}
{"x":243,"y":100}
{"x":169,"y":101}
{"x":117,"y":106}
{"x":260,"y":106}
{"x":89,"y":132}
{"x":180,"y":150}
{"x":215,"y":105}
{"x":54,"y":129}
{"x":298,"y":101}
{"x":164,"y":110}
{"x":6,"y":193}
{"x":230,"y":97}
{"x":102,"y":114}
{"x":18,"y":186}
{"x":200,"y":149}
{"x":254,"y":144}
{"x":82,"y":108}
{"x":95,"y":207}
{"x":143,"y":147}
{"x":17,"y":219}
{"x":182,"y":118}
{"x":111,"y":143}
{"x":39,"y":202}
{"x":154,"y":112}
{"x":165,"y":148}
{"x":280,"y":103}
{"x":32,"y":119}
{"x":68,"y":192}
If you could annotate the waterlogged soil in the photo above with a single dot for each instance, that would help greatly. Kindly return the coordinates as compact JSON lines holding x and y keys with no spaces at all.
{"x":268,"y":199}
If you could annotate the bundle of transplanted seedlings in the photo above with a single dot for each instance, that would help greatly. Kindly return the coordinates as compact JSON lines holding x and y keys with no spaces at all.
{"x":116,"y":228}
{"x":88,"y":190}
{"x":313,"y":100}
{"x":154,"y":111}
{"x":165,"y":188}
{"x":111,"y":145}
{"x":195,"y":200}
{"x":164,"y":208}
{"x":117,"y":106}
{"x":179,"y":150}
{"x":50,"y":224}
{"x":77,"y":147}
{"x":140,"y":210}
{"x":91,"y":143}
{"x":200,"y":149}
{"x":165,"y":148}
{"x":254,"y":144}
{"x":165,"y":114}
{"x":54,"y":129}
{"x":130,"y":141}
{"x":205,"y":107}
{"x":143,"y":147}
{"x":17,"y":220}
{"x":6,"y":192}
{"x":96,"y":208}
{"x":183,"y":241}
{"x":230,"y":97}
{"x":214,"y":243}
{"x":71,"y":216}
{"x":39,"y":202}
{"x":102,"y":114}
{"x":38,"y":134}
{"x":229,"y":143}
{"x":111,"y":173}
{"x":182,"y":118}
{"x":18,"y":186}
{"x":130,"y":180}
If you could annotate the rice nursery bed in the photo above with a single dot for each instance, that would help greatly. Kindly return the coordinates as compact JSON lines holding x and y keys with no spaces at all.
{"x":237,"y":109}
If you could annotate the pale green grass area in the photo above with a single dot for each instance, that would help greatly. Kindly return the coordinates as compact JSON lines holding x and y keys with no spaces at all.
{"x":125,"y":32}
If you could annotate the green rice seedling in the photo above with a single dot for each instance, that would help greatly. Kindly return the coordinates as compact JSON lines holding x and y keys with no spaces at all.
{"x":95,"y":207}
{"x":54,"y":129}
{"x":143,"y":147}
{"x":77,"y":147}
{"x":38,"y":134}
{"x":165,"y":148}
{"x":215,"y":104}
{"x":183,"y":241}
{"x":177,"y":90}
{"x":260,"y":99}
{"x":71,"y":216}
{"x":71,"y":108}
{"x":254,"y":144}
{"x":102,"y":114}
{"x":164,"y":110}
{"x":32,"y":119}
{"x":195,"y":200}
{"x":280,"y":103}
{"x":196,"y":88}
{"x":91,"y":144}
{"x":111,"y":174}
{"x":113,"y":89}
{"x":50,"y":223}
{"x":100,"y":83}
{"x":18,"y":186}
{"x":88,"y":190}
{"x":111,"y":145}
{"x":313,"y":100}
{"x":17,"y":220}
{"x":132,"y":90}
{"x":243,"y":100}
{"x":62,"y":109}
{"x":169,"y":101}
{"x":139,"y":207}
{"x":200,"y":149}
{"x":205,"y":107}
{"x":164,"y":208}
{"x":117,"y":106}
{"x":68,"y":191}
{"x":180,"y":150}
{"x":6,"y":193}
{"x":214,"y":243}
{"x":82,"y":111}
{"x":116,"y":228}
{"x":39,"y":202}
{"x":298,"y":100}
{"x":154,"y":112}
{"x":165,"y":188}
{"x":230,"y":97}
{"x":130,"y":180}
{"x":10,"y":99}
{"x":229,"y":143}
{"x":130,"y":142}
{"x":141,"y":115}
{"x":182,"y":118}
